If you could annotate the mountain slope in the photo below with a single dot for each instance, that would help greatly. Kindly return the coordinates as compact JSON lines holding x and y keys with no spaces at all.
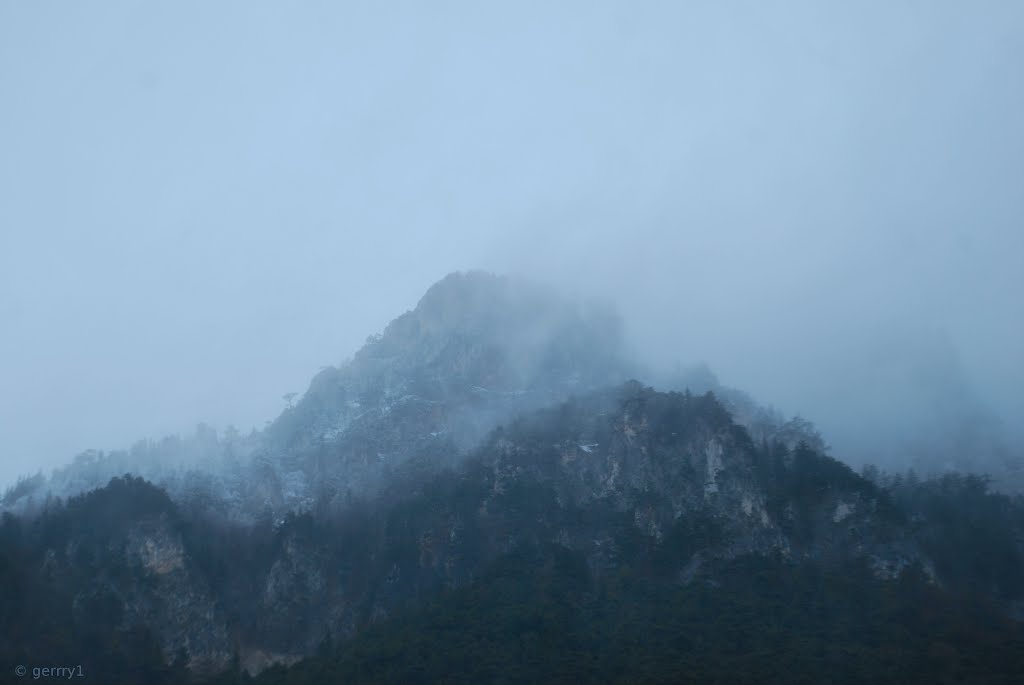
{"x":663,"y":487}
{"x":482,"y":471}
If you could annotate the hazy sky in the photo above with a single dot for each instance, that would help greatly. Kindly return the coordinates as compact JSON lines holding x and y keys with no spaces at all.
{"x":201,"y":203}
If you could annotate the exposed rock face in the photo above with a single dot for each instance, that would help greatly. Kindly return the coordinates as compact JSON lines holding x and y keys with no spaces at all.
{"x":118,"y":557}
{"x":173,"y":599}
{"x":157,"y":550}
{"x":667,"y":460}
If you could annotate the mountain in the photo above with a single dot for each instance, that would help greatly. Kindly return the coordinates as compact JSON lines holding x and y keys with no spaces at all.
{"x":480,"y":495}
{"x":477,"y":350}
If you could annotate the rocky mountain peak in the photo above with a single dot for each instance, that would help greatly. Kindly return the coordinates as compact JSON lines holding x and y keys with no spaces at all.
{"x":476,"y":350}
{"x":464,"y":297}
{"x":478,"y":327}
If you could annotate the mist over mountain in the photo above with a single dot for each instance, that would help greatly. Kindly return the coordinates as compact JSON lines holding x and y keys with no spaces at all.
{"x":927,"y":413}
{"x":782,"y":193}
{"x":490,"y":469}
{"x":731,"y":392}
{"x":479,"y":349}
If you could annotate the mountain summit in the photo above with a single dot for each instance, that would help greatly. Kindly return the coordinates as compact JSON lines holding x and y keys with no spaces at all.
{"x":477,"y":350}
{"x":476,"y":344}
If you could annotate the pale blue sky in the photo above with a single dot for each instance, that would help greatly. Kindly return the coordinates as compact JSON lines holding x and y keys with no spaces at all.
{"x":201,"y":203}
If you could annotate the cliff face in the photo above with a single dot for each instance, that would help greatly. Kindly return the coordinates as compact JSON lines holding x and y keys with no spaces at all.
{"x":110,"y":572}
{"x":171,"y":597}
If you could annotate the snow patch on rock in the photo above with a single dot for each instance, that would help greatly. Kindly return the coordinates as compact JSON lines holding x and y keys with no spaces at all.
{"x":843,"y":510}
